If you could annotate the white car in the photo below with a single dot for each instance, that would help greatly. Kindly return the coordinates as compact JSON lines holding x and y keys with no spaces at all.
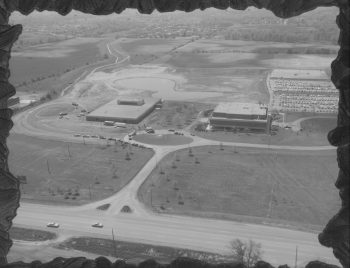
{"x":53,"y":224}
{"x":97,"y":225}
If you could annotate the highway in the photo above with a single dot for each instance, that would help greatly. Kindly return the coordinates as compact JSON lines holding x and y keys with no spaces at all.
{"x":145,"y":226}
{"x":184,"y":232}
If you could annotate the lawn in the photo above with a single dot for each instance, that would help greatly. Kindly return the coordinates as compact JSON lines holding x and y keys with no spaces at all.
{"x":72,"y":173}
{"x":24,"y":234}
{"x":284,"y":187}
{"x":319,"y":125}
{"x":137,"y":252}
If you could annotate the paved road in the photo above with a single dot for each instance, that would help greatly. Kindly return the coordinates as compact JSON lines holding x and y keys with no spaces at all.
{"x":145,"y":226}
{"x":168,"y":230}
{"x":184,"y":232}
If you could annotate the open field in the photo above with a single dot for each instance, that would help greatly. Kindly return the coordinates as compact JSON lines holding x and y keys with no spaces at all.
{"x":319,"y":125}
{"x":37,"y":61}
{"x":285,"y":187}
{"x":137,"y":252}
{"x":146,"y":50}
{"x":243,"y":54}
{"x":73,"y":173}
{"x":23,"y":234}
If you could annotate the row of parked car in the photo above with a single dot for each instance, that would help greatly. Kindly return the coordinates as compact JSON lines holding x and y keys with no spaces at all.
{"x":96,"y":137}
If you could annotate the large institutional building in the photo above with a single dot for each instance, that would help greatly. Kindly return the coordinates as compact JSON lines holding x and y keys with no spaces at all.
{"x":130,"y":111}
{"x":240,"y":115}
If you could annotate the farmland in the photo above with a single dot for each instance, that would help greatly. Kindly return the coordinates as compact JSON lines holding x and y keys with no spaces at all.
{"x":72,"y":173}
{"x":284,"y":187}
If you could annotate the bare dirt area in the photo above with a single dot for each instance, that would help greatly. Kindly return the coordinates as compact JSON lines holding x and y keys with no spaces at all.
{"x":73,"y":173}
{"x":254,"y":185}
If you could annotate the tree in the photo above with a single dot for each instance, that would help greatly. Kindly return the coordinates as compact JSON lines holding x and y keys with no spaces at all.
{"x":248,"y":253}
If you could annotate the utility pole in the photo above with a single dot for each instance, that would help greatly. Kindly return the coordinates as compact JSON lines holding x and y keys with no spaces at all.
{"x":69,"y":152}
{"x":114,"y":246}
{"x":48,"y":167}
{"x":296,"y":257}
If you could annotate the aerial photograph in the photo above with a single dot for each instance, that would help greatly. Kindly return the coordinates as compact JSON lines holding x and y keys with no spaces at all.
{"x":173,"y":139}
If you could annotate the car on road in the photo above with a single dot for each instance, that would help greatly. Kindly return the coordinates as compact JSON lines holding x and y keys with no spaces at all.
{"x":62,"y":114}
{"x":77,"y":135}
{"x":192,"y":134}
{"x":53,"y":225}
{"x":86,"y":136}
{"x":97,"y":225}
{"x":171,"y":130}
{"x":112,"y":139}
{"x":102,"y":137}
{"x":94,"y":136}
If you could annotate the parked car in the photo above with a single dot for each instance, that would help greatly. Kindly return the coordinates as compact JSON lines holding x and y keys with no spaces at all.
{"x":77,"y":135}
{"x":53,"y":225}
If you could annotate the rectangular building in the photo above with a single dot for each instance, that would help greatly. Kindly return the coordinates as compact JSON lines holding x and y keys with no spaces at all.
{"x":240,"y":115}
{"x":124,"y":111}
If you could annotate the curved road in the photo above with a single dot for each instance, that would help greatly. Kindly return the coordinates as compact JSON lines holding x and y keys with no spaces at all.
{"x":142,"y":225}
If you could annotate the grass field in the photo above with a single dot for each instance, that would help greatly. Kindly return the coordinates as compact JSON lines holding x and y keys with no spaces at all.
{"x":52,"y":59}
{"x":137,"y":252}
{"x":24,"y":234}
{"x":319,"y":125}
{"x":286,"y":187}
{"x":243,"y":54}
{"x":72,"y":173}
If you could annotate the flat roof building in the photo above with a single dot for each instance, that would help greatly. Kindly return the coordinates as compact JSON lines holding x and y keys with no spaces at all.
{"x":240,"y":110}
{"x":124,"y":110}
{"x":240,"y":115}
